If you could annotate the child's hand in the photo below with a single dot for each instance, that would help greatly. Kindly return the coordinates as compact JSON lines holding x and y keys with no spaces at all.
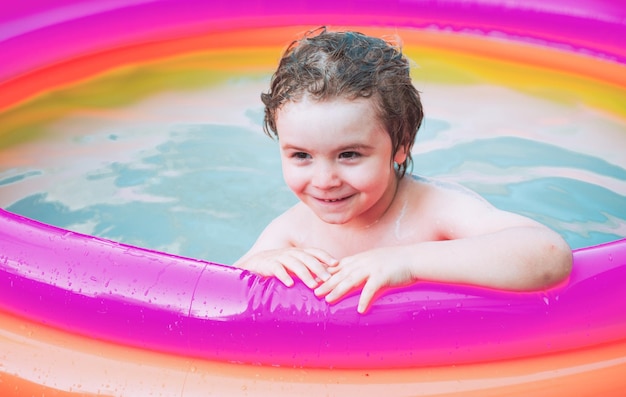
{"x":374,"y":270}
{"x":309,"y":265}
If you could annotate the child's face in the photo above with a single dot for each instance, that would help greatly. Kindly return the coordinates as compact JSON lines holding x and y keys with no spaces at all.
{"x":338,"y":160}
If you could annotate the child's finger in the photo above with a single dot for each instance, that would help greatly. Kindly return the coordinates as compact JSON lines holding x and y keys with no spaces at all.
{"x":297,"y":264}
{"x":283,"y":276}
{"x":333,"y":269}
{"x":326,"y":287}
{"x":343,"y":283}
{"x":367,"y":295}
{"x":301,"y":272}
{"x":314,"y":265}
{"x":323,"y":256}
{"x":338,"y":292}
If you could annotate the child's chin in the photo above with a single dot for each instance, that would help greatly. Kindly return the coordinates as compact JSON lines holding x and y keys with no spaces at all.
{"x":334,"y":220}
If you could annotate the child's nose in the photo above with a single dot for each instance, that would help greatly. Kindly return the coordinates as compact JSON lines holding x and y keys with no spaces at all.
{"x":325,"y":177}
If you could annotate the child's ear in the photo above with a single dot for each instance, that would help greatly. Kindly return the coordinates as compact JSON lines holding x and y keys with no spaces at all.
{"x":400,"y":156}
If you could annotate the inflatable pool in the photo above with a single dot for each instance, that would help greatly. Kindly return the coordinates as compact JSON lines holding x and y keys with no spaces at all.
{"x":83,"y":315}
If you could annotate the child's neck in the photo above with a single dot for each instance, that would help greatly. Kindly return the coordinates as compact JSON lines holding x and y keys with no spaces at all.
{"x":377,"y":216}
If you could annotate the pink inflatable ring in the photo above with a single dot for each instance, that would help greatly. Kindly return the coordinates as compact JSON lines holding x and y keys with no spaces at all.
{"x":83,"y":315}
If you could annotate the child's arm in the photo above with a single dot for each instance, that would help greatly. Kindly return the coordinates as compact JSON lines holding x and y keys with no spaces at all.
{"x":480,"y":245}
{"x":274,"y":255}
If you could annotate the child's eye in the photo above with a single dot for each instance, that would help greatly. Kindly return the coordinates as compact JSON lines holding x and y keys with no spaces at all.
{"x":349,"y":155}
{"x":301,"y":155}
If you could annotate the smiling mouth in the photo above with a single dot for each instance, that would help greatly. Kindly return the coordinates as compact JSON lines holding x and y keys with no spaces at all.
{"x":334,"y":200}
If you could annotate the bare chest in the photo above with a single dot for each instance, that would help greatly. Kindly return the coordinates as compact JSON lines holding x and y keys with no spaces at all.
{"x":341,"y":242}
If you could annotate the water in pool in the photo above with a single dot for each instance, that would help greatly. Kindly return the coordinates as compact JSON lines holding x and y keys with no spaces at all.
{"x":186,"y":168}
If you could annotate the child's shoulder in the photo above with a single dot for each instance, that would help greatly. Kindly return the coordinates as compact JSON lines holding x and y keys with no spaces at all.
{"x":442,"y":188}
{"x":439,"y":197}
{"x":292,"y":220}
{"x":285,"y":229}
{"x":293,"y":215}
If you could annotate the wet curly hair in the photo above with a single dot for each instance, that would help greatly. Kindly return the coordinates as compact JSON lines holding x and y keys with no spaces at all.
{"x":325,"y":65}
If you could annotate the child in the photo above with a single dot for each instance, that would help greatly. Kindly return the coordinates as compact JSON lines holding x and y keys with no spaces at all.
{"x":345,"y":113}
